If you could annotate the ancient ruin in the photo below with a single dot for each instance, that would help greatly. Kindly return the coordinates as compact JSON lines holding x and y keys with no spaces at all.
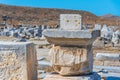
{"x":71,"y":54}
{"x":17,"y":61}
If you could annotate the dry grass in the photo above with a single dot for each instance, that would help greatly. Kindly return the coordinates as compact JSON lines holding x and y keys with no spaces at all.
{"x":50,"y":17}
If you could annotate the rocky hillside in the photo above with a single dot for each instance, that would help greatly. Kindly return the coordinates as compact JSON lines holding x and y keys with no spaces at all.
{"x":111,"y":17}
{"x":46,"y":16}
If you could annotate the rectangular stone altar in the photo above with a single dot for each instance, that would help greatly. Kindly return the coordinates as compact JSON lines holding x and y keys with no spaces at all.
{"x":17,"y":61}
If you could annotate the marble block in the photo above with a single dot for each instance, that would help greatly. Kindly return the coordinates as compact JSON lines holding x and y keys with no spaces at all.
{"x":70,"y":21}
{"x":92,"y":76}
{"x":108,"y":56}
{"x":18,"y":61}
{"x":71,"y":60}
{"x":71,"y":38}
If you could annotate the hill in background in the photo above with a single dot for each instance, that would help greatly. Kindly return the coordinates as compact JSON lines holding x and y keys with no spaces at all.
{"x":50,"y":17}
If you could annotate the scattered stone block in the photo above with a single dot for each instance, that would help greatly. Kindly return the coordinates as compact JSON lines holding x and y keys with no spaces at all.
{"x":17,"y":61}
{"x":108,"y":56}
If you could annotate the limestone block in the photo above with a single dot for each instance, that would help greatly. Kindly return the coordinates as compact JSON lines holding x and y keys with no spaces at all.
{"x":17,"y":61}
{"x":107,"y":69}
{"x":108,"y":56}
{"x":70,"y":21}
{"x":71,"y":60}
{"x":98,"y":63}
{"x":70,"y":38}
{"x":112,"y":63}
{"x":98,"y":44}
{"x":71,"y":34}
{"x":93,"y":76}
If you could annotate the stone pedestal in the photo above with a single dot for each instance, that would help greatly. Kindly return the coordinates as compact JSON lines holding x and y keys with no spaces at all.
{"x":92,"y":76}
{"x":17,"y":61}
{"x":72,"y":51}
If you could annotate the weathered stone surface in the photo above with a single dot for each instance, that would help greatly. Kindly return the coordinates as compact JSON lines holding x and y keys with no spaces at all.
{"x":98,"y":43}
{"x":75,"y":37}
{"x":106,"y":32}
{"x":71,"y":60}
{"x":17,"y":61}
{"x":71,"y":53}
{"x":44,"y":63}
{"x":93,"y":76}
{"x":107,"y":63}
{"x":71,"y":34}
{"x":98,"y":63}
{"x":70,"y":21}
{"x":109,"y":69}
{"x":108,"y":56}
{"x":115,"y":38}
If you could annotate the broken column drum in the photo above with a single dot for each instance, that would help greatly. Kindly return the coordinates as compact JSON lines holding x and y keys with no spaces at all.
{"x":72,"y":50}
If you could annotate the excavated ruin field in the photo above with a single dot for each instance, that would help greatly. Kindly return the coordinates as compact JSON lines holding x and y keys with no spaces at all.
{"x":43,"y":48}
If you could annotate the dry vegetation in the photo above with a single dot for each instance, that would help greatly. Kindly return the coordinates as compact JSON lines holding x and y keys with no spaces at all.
{"x":46,"y":16}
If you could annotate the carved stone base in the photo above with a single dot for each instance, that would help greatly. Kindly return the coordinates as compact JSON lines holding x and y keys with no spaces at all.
{"x":72,"y":60}
{"x":93,"y":76}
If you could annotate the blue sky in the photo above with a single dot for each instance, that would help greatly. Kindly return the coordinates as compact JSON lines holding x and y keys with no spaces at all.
{"x":98,"y":7}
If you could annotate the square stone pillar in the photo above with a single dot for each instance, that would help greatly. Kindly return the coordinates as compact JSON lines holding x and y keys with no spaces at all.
{"x":18,"y":61}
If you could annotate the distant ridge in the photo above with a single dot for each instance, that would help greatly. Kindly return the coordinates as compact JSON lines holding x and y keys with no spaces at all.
{"x":111,"y":17}
{"x":47,"y":16}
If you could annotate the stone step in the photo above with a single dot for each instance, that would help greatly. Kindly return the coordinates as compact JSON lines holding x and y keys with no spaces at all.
{"x":93,"y":76}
